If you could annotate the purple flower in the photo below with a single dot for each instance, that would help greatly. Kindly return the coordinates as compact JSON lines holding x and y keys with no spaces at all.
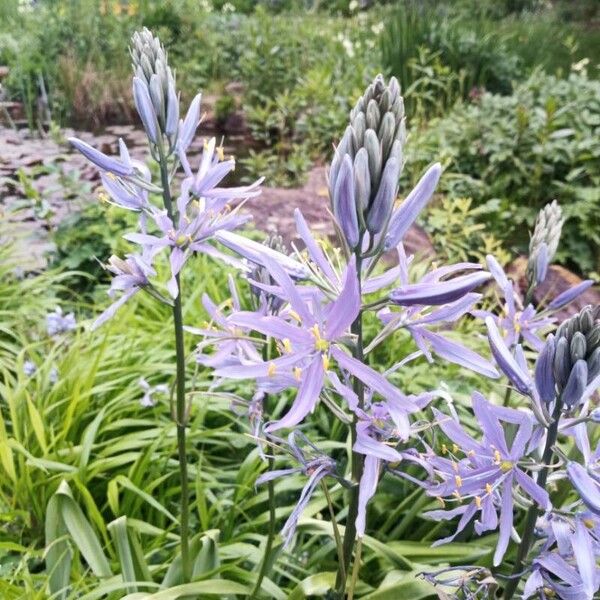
{"x":121,"y":168}
{"x":419,"y":320}
{"x":571,"y":294}
{"x":487,"y":474}
{"x":212,"y":170}
{"x":131,"y":276}
{"x":143,"y":104}
{"x":190,"y":234}
{"x":553,"y":576}
{"x":29,"y":368}
{"x":306,"y":346}
{"x":57,"y":323}
{"x":409,"y":210}
{"x":314,"y":464}
{"x":515,"y":322}
{"x":147,"y":400}
{"x":437,"y":292}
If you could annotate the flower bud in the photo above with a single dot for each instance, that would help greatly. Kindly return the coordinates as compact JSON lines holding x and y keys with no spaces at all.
{"x":544,"y":373}
{"x":377,"y":127}
{"x":544,"y":242}
{"x":153,"y":74}
{"x":344,"y":204}
{"x":575,"y":384}
{"x":577,"y":355}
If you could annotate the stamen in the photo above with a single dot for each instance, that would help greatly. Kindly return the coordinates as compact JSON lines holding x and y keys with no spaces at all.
{"x":287,"y":345}
{"x":488,"y":488}
{"x":458,"y":480}
{"x":477,"y":501}
{"x":297,"y":373}
{"x":271,"y":370}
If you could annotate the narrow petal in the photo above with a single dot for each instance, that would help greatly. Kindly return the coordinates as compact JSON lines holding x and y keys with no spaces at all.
{"x":489,"y":423}
{"x":533,"y":490}
{"x":544,"y":372}
{"x":585,"y":558}
{"x":410,"y":208}
{"x":506,"y":521}
{"x":588,"y":489}
{"x":313,"y":248}
{"x":505,"y":359}
{"x":344,"y":310}
{"x":438,"y":293}
{"x":187,"y":127}
{"x":101,"y":160}
{"x":460,"y":355}
{"x":570,"y":295}
{"x":306,"y":398}
{"x":366,"y":490}
{"x":344,"y":206}
{"x":373,"y":380}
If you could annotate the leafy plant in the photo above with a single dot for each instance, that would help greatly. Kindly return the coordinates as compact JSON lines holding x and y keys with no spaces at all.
{"x":522,"y":151}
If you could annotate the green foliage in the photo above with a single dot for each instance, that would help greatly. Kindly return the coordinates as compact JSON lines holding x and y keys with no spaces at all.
{"x":86,"y":237}
{"x":513,"y":154}
{"x":458,"y":233}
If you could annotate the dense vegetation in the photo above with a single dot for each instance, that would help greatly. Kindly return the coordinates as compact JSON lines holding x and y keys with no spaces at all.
{"x":505,"y":95}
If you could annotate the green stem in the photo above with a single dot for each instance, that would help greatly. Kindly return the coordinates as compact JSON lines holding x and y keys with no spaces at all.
{"x":356,"y":458}
{"x":264,"y":566}
{"x":355,"y":569}
{"x":336,"y":531}
{"x":533,"y":511}
{"x":181,"y":408}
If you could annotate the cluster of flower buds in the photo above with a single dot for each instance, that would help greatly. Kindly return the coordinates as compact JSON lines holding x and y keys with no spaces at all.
{"x":268,"y":302}
{"x":544,"y":242}
{"x":570,"y":360}
{"x":363,"y":178}
{"x":154,"y":91}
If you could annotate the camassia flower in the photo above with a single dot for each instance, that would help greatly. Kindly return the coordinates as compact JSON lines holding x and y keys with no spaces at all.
{"x":309,"y":333}
{"x":487,"y":473}
{"x":313,"y":463}
{"x":420,"y":319}
{"x":131,"y":276}
{"x":188,"y":234}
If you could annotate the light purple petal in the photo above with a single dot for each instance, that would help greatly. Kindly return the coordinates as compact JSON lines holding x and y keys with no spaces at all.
{"x":187,"y":127}
{"x":585,"y":558}
{"x":306,"y":398}
{"x":344,"y":310}
{"x":570,"y":295}
{"x":460,"y":355}
{"x":366,"y":490}
{"x":533,"y":490}
{"x":506,"y":520}
{"x":588,"y":489}
{"x":410,"y":208}
{"x":101,"y":160}
{"x":439,"y":292}
{"x":314,"y":250}
{"x":505,"y":359}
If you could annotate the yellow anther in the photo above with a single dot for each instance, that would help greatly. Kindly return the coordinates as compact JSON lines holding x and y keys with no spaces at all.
{"x":471,"y":453}
{"x":455,"y":466}
{"x":325,"y":362}
{"x":458,"y":480}
{"x":287,"y":345}
{"x":103,"y":197}
{"x":271,"y":370}
{"x":297,"y":373}
{"x":517,"y":327}
{"x":488,"y":488}
{"x":497,"y":457}
{"x":589,"y":523}
{"x":455,"y":448}
{"x":441,"y":501}
{"x":220,"y":153}
{"x":477,"y":501}
{"x":506,"y":466}
{"x":457,"y":495}
{"x":444,"y":449}
{"x":320,"y":344}
{"x":295,"y":315}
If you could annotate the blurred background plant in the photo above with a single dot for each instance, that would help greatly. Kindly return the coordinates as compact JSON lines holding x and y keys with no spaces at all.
{"x":505,"y":93}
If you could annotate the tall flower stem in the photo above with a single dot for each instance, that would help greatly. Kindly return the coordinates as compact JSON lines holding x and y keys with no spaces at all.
{"x":181,"y":415}
{"x":533,"y":511}
{"x":264,"y":566}
{"x":356,"y":458}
